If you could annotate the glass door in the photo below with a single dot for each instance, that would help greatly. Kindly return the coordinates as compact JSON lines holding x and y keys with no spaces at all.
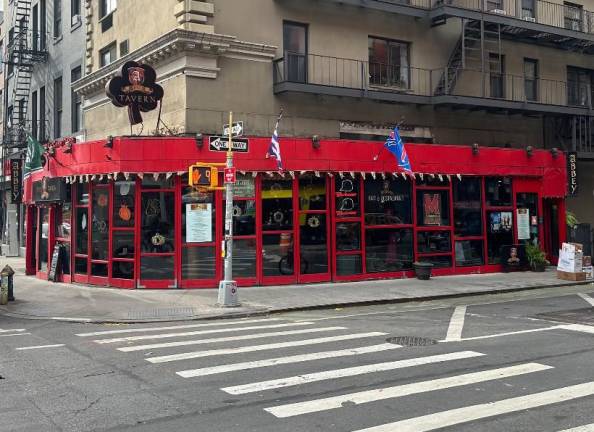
{"x":313,"y":230}
{"x":99,"y":241}
{"x":123,"y":234}
{"x":528,"y":211}
{"x":157,"y":234}
{"x":43,"y":241}
{"x":278,"y":237}
{"x":81,"y":233}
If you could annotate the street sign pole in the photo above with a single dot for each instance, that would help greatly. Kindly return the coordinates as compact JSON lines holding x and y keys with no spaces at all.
{"x":228,"y":296}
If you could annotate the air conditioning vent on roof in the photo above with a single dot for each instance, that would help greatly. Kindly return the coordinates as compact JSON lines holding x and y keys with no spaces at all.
{"x":498,"y":11}
{"x":529,"y":18}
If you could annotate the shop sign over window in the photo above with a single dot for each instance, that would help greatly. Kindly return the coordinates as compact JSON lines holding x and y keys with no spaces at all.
{"x":49,"y":190}
{"x":572,"y":181}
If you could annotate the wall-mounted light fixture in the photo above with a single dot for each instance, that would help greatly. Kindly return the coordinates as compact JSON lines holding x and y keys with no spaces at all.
{"x":555,"y":152}
{"x":199,"y":140}
{"x":315,"y":141}
{"x":529,"y":150}
{"x":109,"y":142}
{"x":475,"y":149}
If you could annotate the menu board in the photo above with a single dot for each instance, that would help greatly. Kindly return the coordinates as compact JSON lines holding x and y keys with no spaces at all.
{"x":347,"y":197}
{"x":244,"y":187}
{"x":55,"y":263}
{"x":431,"y":209}
{"x":199,"y":223}
{"x":523,"y":223}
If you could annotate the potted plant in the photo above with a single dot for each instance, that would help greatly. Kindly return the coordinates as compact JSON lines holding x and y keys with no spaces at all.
{"x":536,"y":258}
{"x":423,"y":270}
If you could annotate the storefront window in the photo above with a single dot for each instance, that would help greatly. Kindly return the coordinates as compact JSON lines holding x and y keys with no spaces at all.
{"x":82,"y":231}
{"x":123,"y":205}
{"x":122,"y":270}
{"x":312,"y":193}
{"x":469,"y":253}
{"x":388,"y":202}
{"x":468,"y":220}
{"x":388,"y":250}
{"x":347,"y":265}
{"x":199,"y":262}
{"x":65,"y":258}
{"x":80,"y":266}
{"x":43,"y":238}
{"x":433,"y":208}
{"x":244,"y":258}
{"x":245,"y":187}
{"x":313,"y":244}
{"x":500,"y":233}
{"x":244,"y":217}
{"x":100,"y":227}
{"x":433,"y":180}
{"x":277,"y":205}
{"x":123,"y":244}
{"x":347,"y":197}
{"x":157,"y":267}
{"x":82,"y":193}
{"x":498,"y":191}
{"x":149,"y":182}
{"x":63,"y":215}
{"x":157,"y":229}
{"x":198,"y":216}
{"x":278,"y":255}
{"x":440,"y":261}
{"x":348,"y":236}
{"x":527,"y":217}
{"x":434,"y":242}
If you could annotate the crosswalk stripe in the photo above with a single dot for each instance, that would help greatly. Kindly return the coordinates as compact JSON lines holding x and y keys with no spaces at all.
{"x":476,"y":412}
{"x":587,"y":298}
{"x":185,"y":326}
{"x":38,"y":347}
{"x":294,"y":409}
{"x":227,"y":339}
{"x":191,"y":373}
{"x":217,"y":352}
{"x":456,"y":324}
{"x":12,"y":330}
{"x":585,"y":428}
{"x":578,"y":328}
{"x":199,"y":332}
{"x":347,"y":372}
{"x":490,"y":336}
{"x":14,"y":334}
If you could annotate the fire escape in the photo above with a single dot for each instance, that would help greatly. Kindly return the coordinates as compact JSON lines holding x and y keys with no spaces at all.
{"x":25,"y":49}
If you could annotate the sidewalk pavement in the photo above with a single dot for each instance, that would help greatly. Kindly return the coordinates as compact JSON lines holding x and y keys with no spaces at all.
{"x":37,"y":299}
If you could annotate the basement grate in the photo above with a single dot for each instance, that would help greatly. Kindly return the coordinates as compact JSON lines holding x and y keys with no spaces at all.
{"x":162,"y":313}
{"x":411,"y":341}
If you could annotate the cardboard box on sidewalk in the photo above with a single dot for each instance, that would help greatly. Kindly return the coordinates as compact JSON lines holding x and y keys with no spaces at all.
{"x":571,"y":258}
{"x":571,"y":276}
{"x":589,"y":270}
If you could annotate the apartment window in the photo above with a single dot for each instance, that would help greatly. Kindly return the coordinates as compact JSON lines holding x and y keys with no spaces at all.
{"x":389,"y":62}
{"x":531,"y":79}
{"x":107,"y":55}
{"x":57,"y":18}
{"x":42,"y":24}
{"x":75,"y":11}
{"x":10,"y":40}
{"x":42,"y":129}
{"x":34,"y":126}
{"x":579,"y":86}
{"x":76,"y":104}
{"x":124,"y":48}
{"x":528,"y":10}
{"x":496,"y":75}
{"x":106,"y":14}
{"x":494,"y":5}
{"x":573,"y":14}
{"x":58,"y":105}
{"x":295,"y":51}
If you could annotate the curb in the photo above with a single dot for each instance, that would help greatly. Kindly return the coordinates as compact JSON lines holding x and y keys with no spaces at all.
{"x":269,"y":311}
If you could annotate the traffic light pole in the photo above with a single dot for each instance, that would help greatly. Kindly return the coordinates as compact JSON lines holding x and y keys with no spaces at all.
{"x":228,"y":296}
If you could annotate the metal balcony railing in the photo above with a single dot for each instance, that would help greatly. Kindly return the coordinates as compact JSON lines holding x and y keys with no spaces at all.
{"x":537,"y":11}
{"x":27,"y":47}
{"x":336,"y":72}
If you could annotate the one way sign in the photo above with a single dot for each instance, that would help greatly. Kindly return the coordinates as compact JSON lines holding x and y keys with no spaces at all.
{"x":236,"y":129}
{"x":216,"y":143}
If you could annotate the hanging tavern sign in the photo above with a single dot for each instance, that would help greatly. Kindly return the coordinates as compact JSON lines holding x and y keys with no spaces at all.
{"x":135,"y":88}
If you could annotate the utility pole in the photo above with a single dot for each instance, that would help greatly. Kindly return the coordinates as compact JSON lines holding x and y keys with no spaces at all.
{"x":228,"y":296}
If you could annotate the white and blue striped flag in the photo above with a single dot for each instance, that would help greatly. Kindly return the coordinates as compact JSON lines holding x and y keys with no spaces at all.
{"x":274,"y":148}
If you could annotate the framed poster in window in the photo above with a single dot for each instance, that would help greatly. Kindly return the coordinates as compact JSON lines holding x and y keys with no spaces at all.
{"x":431,"y":209}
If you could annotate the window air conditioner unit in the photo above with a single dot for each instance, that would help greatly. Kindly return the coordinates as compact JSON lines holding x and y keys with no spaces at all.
{"x":76,"y":20}
{"x":529,"y":18}
{"x":498,"y":11}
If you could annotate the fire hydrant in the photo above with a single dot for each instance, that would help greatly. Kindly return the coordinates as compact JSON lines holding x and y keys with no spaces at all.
{"x":6,"y":285}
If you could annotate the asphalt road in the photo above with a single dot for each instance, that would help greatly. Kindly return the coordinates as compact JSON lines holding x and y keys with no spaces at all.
{"x":513,"y":362}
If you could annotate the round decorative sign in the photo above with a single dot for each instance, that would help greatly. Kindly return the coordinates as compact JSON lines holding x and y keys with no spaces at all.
{"x":125,"y":214}
{"x":102,"y":200}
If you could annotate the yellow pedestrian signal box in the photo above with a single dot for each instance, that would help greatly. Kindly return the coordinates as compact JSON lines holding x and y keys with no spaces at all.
{"x":203,"y":176}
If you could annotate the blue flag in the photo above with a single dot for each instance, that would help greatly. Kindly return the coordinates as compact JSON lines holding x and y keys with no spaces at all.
{"x":395,"y":146}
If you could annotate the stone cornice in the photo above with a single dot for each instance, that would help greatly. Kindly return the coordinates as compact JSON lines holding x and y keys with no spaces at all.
{"x":177,"y":43}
